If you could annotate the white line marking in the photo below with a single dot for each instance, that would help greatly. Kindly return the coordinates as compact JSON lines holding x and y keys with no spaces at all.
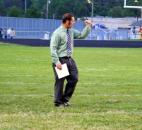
{"x":53,"y":113}
{"x":78,"y":95}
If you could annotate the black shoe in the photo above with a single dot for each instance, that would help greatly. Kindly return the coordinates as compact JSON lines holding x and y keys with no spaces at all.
{"x":67,"y":104}
{"x":59,"y":105}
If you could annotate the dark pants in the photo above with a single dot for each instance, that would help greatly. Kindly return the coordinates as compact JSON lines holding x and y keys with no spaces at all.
{"x":63,"y":95}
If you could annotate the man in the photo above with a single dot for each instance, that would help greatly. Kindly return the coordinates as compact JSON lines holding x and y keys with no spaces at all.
{"x":1,"y":31}
{"x":61,"y":52}
{"x":5,"y":33}
{"x":140,"y":31}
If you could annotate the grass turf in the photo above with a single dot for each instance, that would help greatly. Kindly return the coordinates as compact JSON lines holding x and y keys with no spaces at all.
{"x":108,"y":95}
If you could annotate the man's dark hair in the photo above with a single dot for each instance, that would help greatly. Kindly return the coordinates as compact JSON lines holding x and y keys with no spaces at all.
{"x":67,"y":17}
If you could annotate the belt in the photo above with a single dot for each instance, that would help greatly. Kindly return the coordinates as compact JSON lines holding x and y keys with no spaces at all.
{"x":66,"y":57}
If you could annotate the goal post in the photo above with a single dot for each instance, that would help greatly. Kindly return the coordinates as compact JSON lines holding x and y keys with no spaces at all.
{"x":135,"y":4}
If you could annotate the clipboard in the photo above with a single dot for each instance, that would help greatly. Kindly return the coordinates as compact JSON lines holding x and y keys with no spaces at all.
{"x":64,"y":72}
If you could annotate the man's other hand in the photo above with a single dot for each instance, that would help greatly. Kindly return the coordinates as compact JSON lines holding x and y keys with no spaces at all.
{"x":59,"y":66}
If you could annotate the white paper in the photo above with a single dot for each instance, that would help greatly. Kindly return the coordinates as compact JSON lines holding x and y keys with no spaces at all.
{"x":63,"y":72}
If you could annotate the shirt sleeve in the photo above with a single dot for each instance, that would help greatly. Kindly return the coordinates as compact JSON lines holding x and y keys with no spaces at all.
{"x":53,"y":48}
{"x":83,"y":34}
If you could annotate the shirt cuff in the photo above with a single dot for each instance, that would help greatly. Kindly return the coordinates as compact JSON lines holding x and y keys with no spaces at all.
{"x":88,"y":27}
{"x":57,"y":62}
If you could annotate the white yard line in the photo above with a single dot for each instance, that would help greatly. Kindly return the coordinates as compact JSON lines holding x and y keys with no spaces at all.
{"x":109,"y":95}
{"x":85,"y":83}
{"x":25,"y":95}
{"x":112,"y":84}
{"x":78,"y":95}
{"x":20,"y":75}
{"x":107,"y":69}
{"x":53,"y":113}
{"x":23,"y":83}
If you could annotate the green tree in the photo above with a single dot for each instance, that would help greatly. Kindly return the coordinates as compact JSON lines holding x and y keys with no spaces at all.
{"x":33,"y":12}
{"x":115,"y":12}
{"x":2,"y":9}
{"x":14,"y":11}
{"x":80,"y":8}
{"x":118,"y":11}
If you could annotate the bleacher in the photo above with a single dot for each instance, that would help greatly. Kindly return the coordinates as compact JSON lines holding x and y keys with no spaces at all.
{"x":35,"y":28}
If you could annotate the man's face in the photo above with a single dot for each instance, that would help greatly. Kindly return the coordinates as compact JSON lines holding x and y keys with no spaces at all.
{"x":69,"y":24}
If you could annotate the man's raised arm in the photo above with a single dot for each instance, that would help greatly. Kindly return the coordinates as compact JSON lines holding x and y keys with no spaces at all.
{"x":85,"y":32}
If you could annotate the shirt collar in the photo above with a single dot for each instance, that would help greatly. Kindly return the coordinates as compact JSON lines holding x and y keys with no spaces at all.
{"x":65,"y":29}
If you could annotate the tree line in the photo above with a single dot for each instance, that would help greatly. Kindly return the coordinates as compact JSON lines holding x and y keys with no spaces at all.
{"x":80,"y":8}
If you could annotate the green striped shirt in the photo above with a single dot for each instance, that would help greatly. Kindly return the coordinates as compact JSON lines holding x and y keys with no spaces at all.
{"x":58,"y":43}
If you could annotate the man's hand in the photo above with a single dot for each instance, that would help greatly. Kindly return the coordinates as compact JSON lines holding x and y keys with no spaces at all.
{"x":59,"y":66}
{"x":88,"y":22}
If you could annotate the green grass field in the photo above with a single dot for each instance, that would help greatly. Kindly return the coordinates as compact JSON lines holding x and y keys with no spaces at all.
{"x":108,"y":95}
